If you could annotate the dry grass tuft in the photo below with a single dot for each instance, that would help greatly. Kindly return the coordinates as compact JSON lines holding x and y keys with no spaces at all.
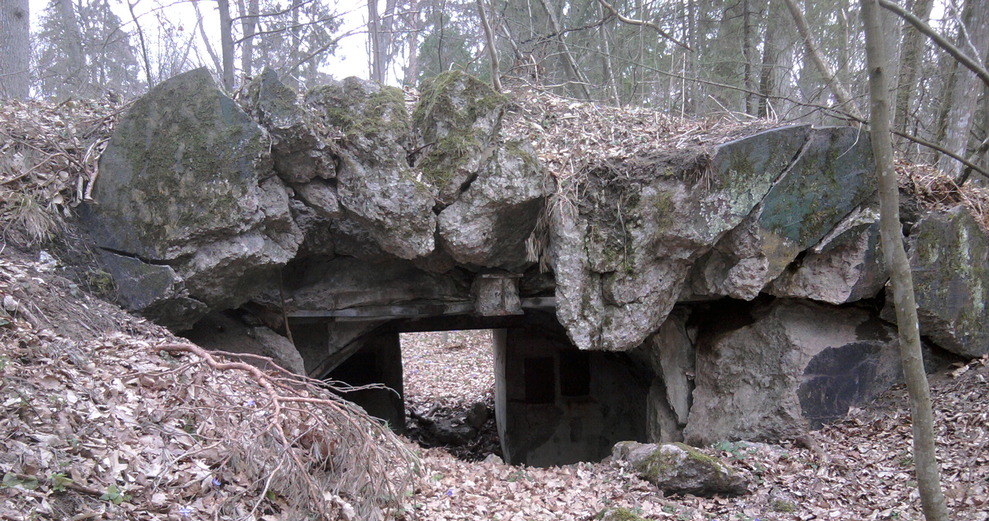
{"x":936,"y":191}
{"x":49,"y":158}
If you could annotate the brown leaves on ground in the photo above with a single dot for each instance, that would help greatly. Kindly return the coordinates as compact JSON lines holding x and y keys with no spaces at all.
{"x":858,"y":469}
{"x":111,"y":427}
{"x":448,"y":368}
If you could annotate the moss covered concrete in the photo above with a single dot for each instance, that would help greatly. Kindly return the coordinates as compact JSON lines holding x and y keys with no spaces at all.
{"x":184,"y":160}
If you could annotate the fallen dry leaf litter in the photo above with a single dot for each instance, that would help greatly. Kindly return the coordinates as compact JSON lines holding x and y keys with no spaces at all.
{"x":449,"y":380}
{"x":127,"y":426}
{"x":448,"y":368}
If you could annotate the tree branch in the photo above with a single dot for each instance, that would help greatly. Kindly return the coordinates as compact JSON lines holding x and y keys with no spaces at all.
{"x":642,"y":23}
{"x":955,"y":52}
{"x":492,"y":52}
{"x":815,"y":55}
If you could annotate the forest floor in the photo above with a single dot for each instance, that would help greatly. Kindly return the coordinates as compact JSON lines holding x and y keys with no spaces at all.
{"x":859,"y":469}
{"x":108,"y":432}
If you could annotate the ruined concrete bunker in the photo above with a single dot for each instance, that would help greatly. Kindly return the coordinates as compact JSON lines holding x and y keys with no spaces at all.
{"x":726,"y":286}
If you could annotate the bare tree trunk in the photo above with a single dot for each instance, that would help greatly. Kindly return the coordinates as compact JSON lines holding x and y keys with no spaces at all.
{"x":980,"y":153}
{"x":217,"y":64}
{"x":608,"y":69}
{"x":910,"y":56}
{"x":492,"y":51}
{"x":375,"y":41}
{"x":15,"y":49}
{"x":965,"y":93}
{"x":226,"y":44}
{"x":770,"y":56}
{"x":747,"y":51}
{"x":410,"y":75}
{"x":440,"y":36}
{"x":839,"y":91}
{"x":570,"y":64}
{"x":928,"y":474}
{"x":71,"y":43}
{"x":248,"y":24}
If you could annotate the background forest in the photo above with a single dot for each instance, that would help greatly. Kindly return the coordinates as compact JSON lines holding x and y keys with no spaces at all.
{"x":750,"y":58}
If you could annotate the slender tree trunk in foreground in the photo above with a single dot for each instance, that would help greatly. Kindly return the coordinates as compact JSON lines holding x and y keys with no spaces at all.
{"x":928,"y":474}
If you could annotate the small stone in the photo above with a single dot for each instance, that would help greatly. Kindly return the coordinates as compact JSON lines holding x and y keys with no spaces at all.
{"x":10,"y":303}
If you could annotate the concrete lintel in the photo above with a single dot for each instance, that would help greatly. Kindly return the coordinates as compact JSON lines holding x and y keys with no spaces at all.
{"x":412,"y":310}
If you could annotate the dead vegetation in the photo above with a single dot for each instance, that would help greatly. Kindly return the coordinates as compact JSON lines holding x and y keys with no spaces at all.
{"x":938,"y":192}
{"x":141,"y":426}
{"x":574,"y":137}
{"x":49,"y":156}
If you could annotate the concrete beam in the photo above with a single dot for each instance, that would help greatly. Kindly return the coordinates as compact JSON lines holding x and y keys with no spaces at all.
{"x":411,"y":310}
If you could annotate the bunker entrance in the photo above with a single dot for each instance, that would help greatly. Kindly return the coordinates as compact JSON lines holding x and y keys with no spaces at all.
{"x":511,"y":386}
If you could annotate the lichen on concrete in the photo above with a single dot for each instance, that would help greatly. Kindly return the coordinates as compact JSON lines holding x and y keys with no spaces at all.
{"x":949,"y":258}
{"x":459,"y":119}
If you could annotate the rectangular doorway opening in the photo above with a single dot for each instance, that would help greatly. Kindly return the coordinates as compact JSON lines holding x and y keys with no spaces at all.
{"x":449,"y":380}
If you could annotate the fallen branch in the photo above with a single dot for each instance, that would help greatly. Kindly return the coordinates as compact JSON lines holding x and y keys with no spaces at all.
{"x":313,"y":440}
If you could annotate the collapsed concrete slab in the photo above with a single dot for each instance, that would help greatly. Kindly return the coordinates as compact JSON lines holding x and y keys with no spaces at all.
{"x":622,"y":253}
{"x":796,"y":366}
{"x":846,"y":266}
{"x":831,"y":178}
{"x":186,"y":183}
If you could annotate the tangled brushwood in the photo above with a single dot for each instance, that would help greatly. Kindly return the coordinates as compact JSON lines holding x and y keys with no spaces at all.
{"x":141,"y":426}
{"x":935,"y":191}
{"x":49,"y":155}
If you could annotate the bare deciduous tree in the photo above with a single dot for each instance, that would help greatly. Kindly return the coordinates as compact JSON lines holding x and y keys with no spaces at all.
{"x":901,"y":278}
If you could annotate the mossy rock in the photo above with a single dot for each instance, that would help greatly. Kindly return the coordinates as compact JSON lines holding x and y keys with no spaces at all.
{"x":372,"y":117}
{"x":677,"y":468}
{"x":299,"y":154}
{"x":459,"y":119}
{"x":489,"y":223}
{"x":375,"y":184}
{"x":618,"y":514}
{"x":949,"y":257}
{"x":182,"y":148}
{"x":455,"y":100}
{"x":188,"y":198}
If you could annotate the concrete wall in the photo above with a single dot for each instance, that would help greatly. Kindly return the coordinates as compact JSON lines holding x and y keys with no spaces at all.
{"x":378,"y":361}
{"x":557,"y":405}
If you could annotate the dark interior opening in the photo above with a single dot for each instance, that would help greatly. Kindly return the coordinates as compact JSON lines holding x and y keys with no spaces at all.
{"x":543,"y":402}
{"x":539,"y":380}
{"x":575,"y":374}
